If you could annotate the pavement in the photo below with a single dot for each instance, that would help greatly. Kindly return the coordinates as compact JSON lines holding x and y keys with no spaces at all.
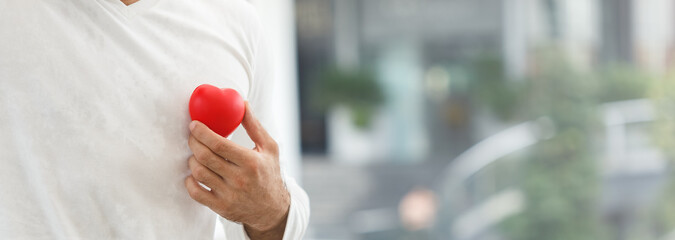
{"x":357,"y":201}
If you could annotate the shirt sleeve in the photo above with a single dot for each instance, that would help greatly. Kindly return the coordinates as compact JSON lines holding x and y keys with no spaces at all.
{"x":260,"y":96}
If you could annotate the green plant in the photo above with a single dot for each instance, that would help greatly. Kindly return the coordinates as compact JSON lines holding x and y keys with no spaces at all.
{"x":560,"y":177}
{"x":490,"y":88}
{"x":356,"y":89}
{"x":663,"y":95}
{"x":662,"y":214}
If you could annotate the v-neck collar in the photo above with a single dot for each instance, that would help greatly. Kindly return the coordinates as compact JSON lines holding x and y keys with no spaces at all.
{"x":132,"y":9}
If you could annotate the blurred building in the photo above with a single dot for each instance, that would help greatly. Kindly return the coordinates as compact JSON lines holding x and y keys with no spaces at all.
{"x":401,"y":41}
{"x":410,"y":43}
{"x":419,"y":50}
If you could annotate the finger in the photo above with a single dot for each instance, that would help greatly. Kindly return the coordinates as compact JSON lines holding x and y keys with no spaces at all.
{"x":204,"y":175}
{"x":209,"y":159}
{"x":254,"y":129}
{"x":217,"y":144}
{"x":203,"y":154}
{"x":198,"y":193}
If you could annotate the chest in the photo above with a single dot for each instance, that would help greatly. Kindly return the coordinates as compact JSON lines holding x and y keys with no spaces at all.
{"x":89,"y":77}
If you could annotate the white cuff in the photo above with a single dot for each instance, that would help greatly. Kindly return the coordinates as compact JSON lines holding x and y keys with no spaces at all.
{"x":298,"y":213}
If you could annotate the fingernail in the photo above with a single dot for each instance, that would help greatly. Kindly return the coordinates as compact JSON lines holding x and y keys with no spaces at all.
{"x":192,"y":125}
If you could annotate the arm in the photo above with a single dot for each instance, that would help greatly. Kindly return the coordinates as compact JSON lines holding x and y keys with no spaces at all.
{"x":245,"y":184}
{"x":261,"y":95}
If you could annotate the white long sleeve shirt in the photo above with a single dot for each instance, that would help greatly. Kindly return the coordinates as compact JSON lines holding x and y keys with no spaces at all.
{"x":94,"y":114}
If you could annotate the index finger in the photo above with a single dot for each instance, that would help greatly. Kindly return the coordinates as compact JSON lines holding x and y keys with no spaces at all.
{"x":254,"y":129}
{"x":218,"y":144}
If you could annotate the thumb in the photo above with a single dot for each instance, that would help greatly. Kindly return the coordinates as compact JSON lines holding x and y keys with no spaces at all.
{"x":254,"y":129}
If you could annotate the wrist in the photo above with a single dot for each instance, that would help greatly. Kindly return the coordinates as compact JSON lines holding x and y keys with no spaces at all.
{"x":274,"y":231}
{"x":274,"y":225}
{"x":278,"y":214}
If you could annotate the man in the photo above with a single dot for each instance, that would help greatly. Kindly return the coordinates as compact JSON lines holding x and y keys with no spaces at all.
{"x":95,"y":136}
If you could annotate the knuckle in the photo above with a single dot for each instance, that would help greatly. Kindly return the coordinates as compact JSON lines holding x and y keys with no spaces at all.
{"x":200,"y":156}
{"x":200,"y":173}
{"x":220,"y":146}
{"x":209,"y":160}
{"x":274,"y":146}
{"x":192,"y":143}
{"x":198,"y":132}
{"x":206,"y":159}
{"x":253,"y":165}
{"x":193,"y":162}
{"x":194,"y":193}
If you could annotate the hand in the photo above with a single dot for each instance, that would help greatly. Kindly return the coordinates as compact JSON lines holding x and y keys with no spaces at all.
{"x":246,"y":184}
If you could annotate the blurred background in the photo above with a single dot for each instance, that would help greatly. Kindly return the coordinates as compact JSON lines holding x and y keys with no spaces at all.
{"x":479,"y":119}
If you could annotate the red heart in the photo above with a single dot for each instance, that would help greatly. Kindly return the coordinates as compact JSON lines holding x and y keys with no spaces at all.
{"x":222,"y":110}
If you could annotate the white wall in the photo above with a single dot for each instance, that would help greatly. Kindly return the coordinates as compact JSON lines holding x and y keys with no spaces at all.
{"x":278,"y":18}
{"x":653,"y":33}
{"x":580,"y":28}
